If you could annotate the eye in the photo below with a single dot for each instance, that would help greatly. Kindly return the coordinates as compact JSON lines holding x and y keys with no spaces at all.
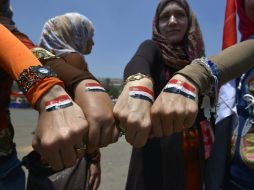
{"x":180,"y":14}
{"x":164,"y":18}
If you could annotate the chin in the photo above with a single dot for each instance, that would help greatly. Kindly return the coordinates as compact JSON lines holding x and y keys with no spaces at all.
{"x":174,"y":40}
{"x":87,"y":52}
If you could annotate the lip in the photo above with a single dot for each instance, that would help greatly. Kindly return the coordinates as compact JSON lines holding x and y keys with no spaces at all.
{"x":172,"y":32}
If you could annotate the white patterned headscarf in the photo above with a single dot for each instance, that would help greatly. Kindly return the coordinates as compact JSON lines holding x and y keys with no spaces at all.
{"x":66,"y":33}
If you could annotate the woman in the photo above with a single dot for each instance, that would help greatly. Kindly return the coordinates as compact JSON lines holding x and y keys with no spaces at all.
{"x":20,"y":65}
{"x":69,"y":37}
{"x":229,"y":63}
{"x":176,"y":41}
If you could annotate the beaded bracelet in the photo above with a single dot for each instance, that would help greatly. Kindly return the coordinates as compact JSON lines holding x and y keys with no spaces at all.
{"x":32,"y":75}
{"x":180,"y":87}
{"x":95,"y":87}
{"x":216,"y":74}
{"x":213,"y":71}
{"x":141,"y":92}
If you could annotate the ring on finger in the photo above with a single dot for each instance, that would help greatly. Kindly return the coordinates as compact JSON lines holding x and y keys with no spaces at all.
{"x":80,"y":150}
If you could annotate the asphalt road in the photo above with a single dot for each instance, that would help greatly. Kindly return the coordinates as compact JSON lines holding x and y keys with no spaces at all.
{"x":115,"y":158}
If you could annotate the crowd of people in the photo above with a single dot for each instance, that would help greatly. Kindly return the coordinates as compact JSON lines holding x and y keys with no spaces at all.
{"x":187,"y":129}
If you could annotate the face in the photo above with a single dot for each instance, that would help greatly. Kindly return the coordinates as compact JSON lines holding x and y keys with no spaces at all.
{"x":173,"y":23}
{"x":89,"y":46}
{"x":249,"y":8}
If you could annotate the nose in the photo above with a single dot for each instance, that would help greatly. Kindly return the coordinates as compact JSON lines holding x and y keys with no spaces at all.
{"x":172,"y":20}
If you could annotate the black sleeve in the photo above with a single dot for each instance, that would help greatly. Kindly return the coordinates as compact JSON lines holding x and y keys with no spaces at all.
{"x":69,"y":74}
{"x":143,"y":60}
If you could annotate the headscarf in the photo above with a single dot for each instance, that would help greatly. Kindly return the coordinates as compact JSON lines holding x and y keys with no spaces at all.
{"x":246,"y":26}
{"x":66,"y":33}
{"x":192,"y":46}
{"x":5,"y":9}
{"x":6,"y":15}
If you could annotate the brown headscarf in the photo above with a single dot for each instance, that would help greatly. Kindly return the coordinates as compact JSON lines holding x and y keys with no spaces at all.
{"x":192,"y":46}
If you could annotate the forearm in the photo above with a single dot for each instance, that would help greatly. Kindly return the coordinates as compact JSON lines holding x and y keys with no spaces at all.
{"x":235,"y":60}
{"x":15,"y":58}
{"x":231,"y":62}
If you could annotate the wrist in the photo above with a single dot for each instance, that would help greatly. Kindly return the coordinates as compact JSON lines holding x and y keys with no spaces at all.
{"x":89,"y":85}
{"x":51,"y":94}
{"x":188,"y":81}
{"x":137,"y":77}
{"x":146,"y":82}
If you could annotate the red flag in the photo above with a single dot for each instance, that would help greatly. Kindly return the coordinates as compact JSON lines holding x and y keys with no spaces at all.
{"x":229,"y":30}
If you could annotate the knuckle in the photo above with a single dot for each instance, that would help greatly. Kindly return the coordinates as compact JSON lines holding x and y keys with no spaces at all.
{"x":79,"y":130}
{"x":154,"y":111}
{"x":179,"y":112}
{"x":106,"y":117}
{"x":65,"y":136}
{"x":48,"y":146}
{"x":144,"y":128}
{"x":133,"y":119}
{"x":192,"y":111}
{"x":116,"y":111}
{"x":122,"y":115}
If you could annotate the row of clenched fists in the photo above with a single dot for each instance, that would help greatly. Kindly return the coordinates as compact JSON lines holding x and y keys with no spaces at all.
{"x":92,"y":120}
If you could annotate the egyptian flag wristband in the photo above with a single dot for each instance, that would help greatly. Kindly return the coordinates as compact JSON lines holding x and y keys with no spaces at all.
{"x":60,"y":102}
{"x":141,"y":92}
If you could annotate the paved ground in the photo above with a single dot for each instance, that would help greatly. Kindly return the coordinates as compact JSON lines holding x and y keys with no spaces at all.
{"x":115,"y":158}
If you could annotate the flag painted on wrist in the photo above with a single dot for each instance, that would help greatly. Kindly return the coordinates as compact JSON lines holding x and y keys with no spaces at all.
{"x":179,"y":87}
{"x":95,"y":87}
{"x":141,"y":92}
{"x":60,"y":102}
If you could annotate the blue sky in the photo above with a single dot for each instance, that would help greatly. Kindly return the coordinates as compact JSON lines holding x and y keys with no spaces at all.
{"x":121,"y":25}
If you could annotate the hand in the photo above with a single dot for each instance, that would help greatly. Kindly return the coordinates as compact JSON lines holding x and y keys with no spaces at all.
{"x":98,"y":109}
{"x":59,"y":131}
{"x":94,"y":178}
{"x":171,"y":112}
{"x":134,"y":114}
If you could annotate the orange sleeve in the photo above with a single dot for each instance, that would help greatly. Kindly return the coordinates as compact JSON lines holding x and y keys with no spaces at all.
{"x":15,"y":57}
